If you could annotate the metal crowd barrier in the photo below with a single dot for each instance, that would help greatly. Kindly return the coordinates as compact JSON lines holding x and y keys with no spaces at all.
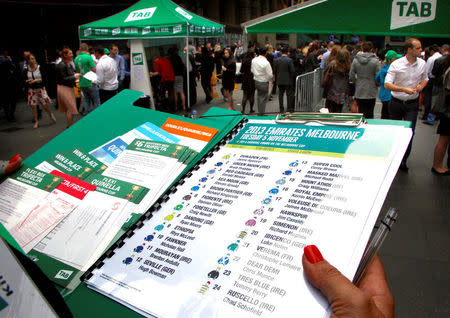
{"x":308,"y":91}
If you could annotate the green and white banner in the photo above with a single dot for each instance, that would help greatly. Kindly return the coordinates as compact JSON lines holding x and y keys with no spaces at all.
{"x":151,"y":19}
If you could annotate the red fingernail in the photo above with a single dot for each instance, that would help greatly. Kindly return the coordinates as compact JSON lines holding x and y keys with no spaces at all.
{"x":313,"y":254}
{"x":15,"y":158}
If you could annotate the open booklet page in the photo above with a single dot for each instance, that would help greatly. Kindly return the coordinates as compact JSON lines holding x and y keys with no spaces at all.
{"x":150,"y":164}
{"x":39,"y":221}
{"x":82,"y":236}
{"x":108,"y":152}
{"x":21,"y":192}
{"x":229,"y":241}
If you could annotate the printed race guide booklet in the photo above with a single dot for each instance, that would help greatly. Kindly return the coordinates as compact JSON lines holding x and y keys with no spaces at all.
{"x":51,"y":210}
{"x":152,"y":164}
{"x":81,"y":238}
{"x":108,"y":152}
{"x":21,"y":192}
{"x":229,"y":241}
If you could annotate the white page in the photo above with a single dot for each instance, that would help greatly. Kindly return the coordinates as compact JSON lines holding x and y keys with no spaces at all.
{"x":46,"y":167}
{"x":19,"y":296}
{"x":20,"y":193}
{"x":91,"y":76}
{"x":147,"y":167}
{"x":39,"y":221}
{"x":88,"y":230}
{"x":283,"y":200}
{"x":93,"y":223}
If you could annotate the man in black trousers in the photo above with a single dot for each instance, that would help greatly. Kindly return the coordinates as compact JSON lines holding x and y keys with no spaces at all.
{"x":206,"y":69}
{"x":284,"y":75}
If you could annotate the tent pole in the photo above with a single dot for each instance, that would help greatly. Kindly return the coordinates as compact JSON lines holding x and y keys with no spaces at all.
{"x":187,"y":74}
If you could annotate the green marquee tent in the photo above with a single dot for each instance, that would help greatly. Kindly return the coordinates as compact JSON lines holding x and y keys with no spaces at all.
{"x":151,"y":19}
{"x":420,"y":18}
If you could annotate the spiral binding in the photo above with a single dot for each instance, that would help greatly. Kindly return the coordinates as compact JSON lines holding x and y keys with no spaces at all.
{"x":157,"y":205}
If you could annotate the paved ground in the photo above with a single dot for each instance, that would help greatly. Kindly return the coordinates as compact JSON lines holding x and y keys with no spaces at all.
{"x":415,"y":254}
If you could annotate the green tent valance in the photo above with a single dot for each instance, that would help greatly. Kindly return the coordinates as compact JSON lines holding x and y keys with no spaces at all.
{"x":419,"y":18}
{"x":151,"y":19}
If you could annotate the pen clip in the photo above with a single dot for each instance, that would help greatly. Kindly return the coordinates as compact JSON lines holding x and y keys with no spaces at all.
{"x":374,"y":245}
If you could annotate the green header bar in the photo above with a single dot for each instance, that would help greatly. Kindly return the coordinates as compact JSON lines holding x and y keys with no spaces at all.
{"x":36,"y":178}
{"x":117,"y":188}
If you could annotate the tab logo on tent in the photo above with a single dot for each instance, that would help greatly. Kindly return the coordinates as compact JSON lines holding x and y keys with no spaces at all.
{"x":62,"y":274}
{"x":138,"y":59}
{"x":140,"y":14}
{"x":410,"y":12}
{"x":177,"y":29}
{"x":183,"y":13}
{"x":116,"y":31}
{"x":146,"y":30}
{"x":88,"y":32}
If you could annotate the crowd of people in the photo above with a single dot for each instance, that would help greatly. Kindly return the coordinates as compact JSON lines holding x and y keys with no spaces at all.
{"x":29,"y":79}
{"x":354,"y":77}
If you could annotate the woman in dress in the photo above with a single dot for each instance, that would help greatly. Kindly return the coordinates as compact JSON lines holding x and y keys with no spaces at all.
{"x":37,"y":93}
{"x":228,"y":76}
{"x":443,"y":97}
{"x":65,"y":80}
{"x":339,"y":90}
{"x":179,"y":70}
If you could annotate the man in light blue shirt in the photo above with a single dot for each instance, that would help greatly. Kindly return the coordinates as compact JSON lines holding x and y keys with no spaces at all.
{"x":114,"y":54}
{"x":326,"y":54}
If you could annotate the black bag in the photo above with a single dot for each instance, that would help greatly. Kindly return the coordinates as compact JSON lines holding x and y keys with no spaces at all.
{"x":239,"y":78}
{"x":352,"y":89}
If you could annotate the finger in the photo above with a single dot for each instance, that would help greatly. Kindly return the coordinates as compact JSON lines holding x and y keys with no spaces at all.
{"x":335,"y":286}
{"x":375,"y":285}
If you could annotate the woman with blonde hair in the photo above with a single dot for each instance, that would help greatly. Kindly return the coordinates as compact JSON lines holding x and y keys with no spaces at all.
{"x":332,"y":55}
{"x":66,"y":78}
{"x":37,"y":94}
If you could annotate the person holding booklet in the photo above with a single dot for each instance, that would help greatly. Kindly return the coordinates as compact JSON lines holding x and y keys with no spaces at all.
{"x":372,"y":298}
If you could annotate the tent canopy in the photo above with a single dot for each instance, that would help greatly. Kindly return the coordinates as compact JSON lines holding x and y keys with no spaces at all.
{"x":151,"y":19}
{"x":417,"y":18}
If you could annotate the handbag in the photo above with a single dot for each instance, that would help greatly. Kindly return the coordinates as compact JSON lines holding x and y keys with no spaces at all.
{"x":439,"y":101}
{"x":352,"y":89}
{"x":327,"y":81}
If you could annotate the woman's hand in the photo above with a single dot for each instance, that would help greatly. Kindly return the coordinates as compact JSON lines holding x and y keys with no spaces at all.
{"x":372,"y":298}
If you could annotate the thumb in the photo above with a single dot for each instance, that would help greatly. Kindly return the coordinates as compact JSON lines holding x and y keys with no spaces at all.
{"x":346,"y":299}
{"x":325,"y":277}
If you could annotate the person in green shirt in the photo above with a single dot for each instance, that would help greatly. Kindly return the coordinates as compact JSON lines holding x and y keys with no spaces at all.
{"x":83,"y":64}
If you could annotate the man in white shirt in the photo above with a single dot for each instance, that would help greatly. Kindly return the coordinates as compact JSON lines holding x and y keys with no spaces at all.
{"x":106,"y":70}
{"x":262,"y":73}
{"x":428,"y":90}
{"x":406,"y":78}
